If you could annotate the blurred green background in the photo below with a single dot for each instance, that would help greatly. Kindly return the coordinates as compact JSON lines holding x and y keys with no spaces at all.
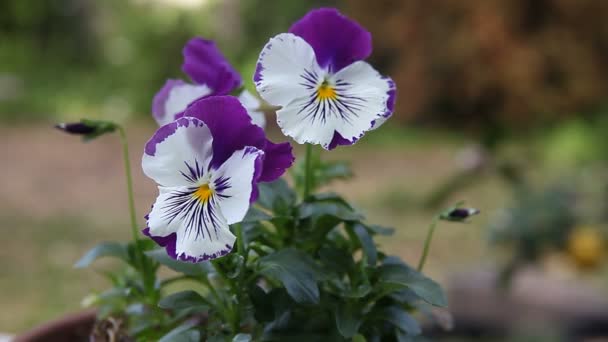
{"x":490,"y":92}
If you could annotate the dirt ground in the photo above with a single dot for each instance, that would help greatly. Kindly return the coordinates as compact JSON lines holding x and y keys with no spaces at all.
{"x":60,"y":196}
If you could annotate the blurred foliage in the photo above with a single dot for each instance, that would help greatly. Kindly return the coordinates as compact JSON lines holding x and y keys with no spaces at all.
{"x":566,"y":217}
{"x":486,"y":64}
{"x":63,"y":59}
{"x":489,"y":66}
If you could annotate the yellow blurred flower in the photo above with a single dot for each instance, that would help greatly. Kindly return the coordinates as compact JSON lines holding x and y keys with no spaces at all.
{"x":586,"y":246}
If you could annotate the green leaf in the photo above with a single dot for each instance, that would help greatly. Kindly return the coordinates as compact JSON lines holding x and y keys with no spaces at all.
{"x":104,"y":249}
{"x":348,"y":319}
{"x":367,"y":244}
{"x":187,"y":268}
{"x":263,"y":309}
{"x":336,"y":260}
{"x":242,"y":338}
{"x":359,"y":338}
{"x":330,"y":197}
{"x":231,"y":265}
{"x":256,"y":215}
{"x":379,"y":230}
{"x":331,"y":170}
{"x":330,"y":208}
{"x":402,"y":320}
{"x":395,"y":277}
{"x":183,"y":300}
{"x":276,"y":196}
{"x":296,"y":271}
{"x":183,"y":333}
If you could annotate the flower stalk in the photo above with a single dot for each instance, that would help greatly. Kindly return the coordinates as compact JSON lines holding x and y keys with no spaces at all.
{"x":129,"y":179}
{"x":308,"y":172}
{"x":427,"y":243}
{"x":147,"y":273}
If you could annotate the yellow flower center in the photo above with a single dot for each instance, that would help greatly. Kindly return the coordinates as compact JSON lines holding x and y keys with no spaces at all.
{"x":586,"y":246}
{"x":203,"y":193}
{"x":326,"y":92}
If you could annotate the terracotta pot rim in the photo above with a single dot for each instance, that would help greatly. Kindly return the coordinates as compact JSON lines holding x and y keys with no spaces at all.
{"x":67,"y":323}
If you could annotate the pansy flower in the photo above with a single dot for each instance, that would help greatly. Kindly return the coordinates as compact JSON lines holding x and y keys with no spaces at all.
{"x":207,"y":164}
{"x":316,"y":73}
{"x":212,"y":75}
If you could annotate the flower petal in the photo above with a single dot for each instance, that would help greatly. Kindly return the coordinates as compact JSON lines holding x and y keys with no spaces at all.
{"x":390,"y":104}
{"x":235,"y":182}
{"x":360,"y":97}
{"x":283,"y":66}
{"x":178,"y":153}
{"x":381,"y":84}
{"x":376,"y":94}
{"x":208,"y":238}
{"x":174,"y":97}
{"x":277,"y":159}
{"x":205,"y":64}
{"x":227,"y":118}
{"x":190,"y":230}
{"x":252,"y":103}
{"x":336,"y":40}
{"x":164,"y":219}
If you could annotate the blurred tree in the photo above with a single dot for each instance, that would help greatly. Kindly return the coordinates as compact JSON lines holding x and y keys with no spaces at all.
{"x":39,"y":31}
{"x":490,"y":63}
{"x":108,"y":58}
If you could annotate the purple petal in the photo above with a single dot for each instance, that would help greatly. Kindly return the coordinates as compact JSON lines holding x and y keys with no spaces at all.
{"x":164,"y":131}
{"x":278,"y":158}
{"x":258,"y":168}
{"x":229,"y":122}
{"x":337,"y":40}
{"x":392,"y":93}
{"x":339,"y":140}
{"x":164,"y":241}
{"x":205,"y":64}
{"x":158,"y":104}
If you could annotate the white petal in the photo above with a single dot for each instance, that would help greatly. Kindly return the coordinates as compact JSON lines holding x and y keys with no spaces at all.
{"x":252,"y":103}
{"x":233,"y":182}
{"x":180,"y":97}
{"x":209,"y":237}
{"x":201,"y":230}
{"x":282,"y":62}
{"x":361,"y":100}
{"x":371,"y":91}
{"x":179,"y":153}
{"x":162,"y":220}
{"x":303,"y":125}
{"x":379,"y":122}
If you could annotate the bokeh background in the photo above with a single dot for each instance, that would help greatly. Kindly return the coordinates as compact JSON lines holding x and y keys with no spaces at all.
{"x":494,"y":96}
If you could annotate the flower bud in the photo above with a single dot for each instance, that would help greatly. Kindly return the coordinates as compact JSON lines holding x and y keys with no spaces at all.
{"x":89,"y":129}
{"x":78,"y":128}
{"x":459,"y":214}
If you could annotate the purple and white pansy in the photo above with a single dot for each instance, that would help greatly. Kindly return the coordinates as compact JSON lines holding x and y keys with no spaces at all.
{"x":207,"y":164}
{"x":316,"y":73}
{"x":212,"y":75}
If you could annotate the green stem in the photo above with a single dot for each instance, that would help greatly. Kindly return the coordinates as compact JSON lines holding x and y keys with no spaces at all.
{"x":240,"y":243}
{"x":127,"y":162}
{"x":308,"y":173}
{"x":213,"y":293}
{"x":231,"y":310}
{"x":146,"y":269}
{"x":427,"y":243}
